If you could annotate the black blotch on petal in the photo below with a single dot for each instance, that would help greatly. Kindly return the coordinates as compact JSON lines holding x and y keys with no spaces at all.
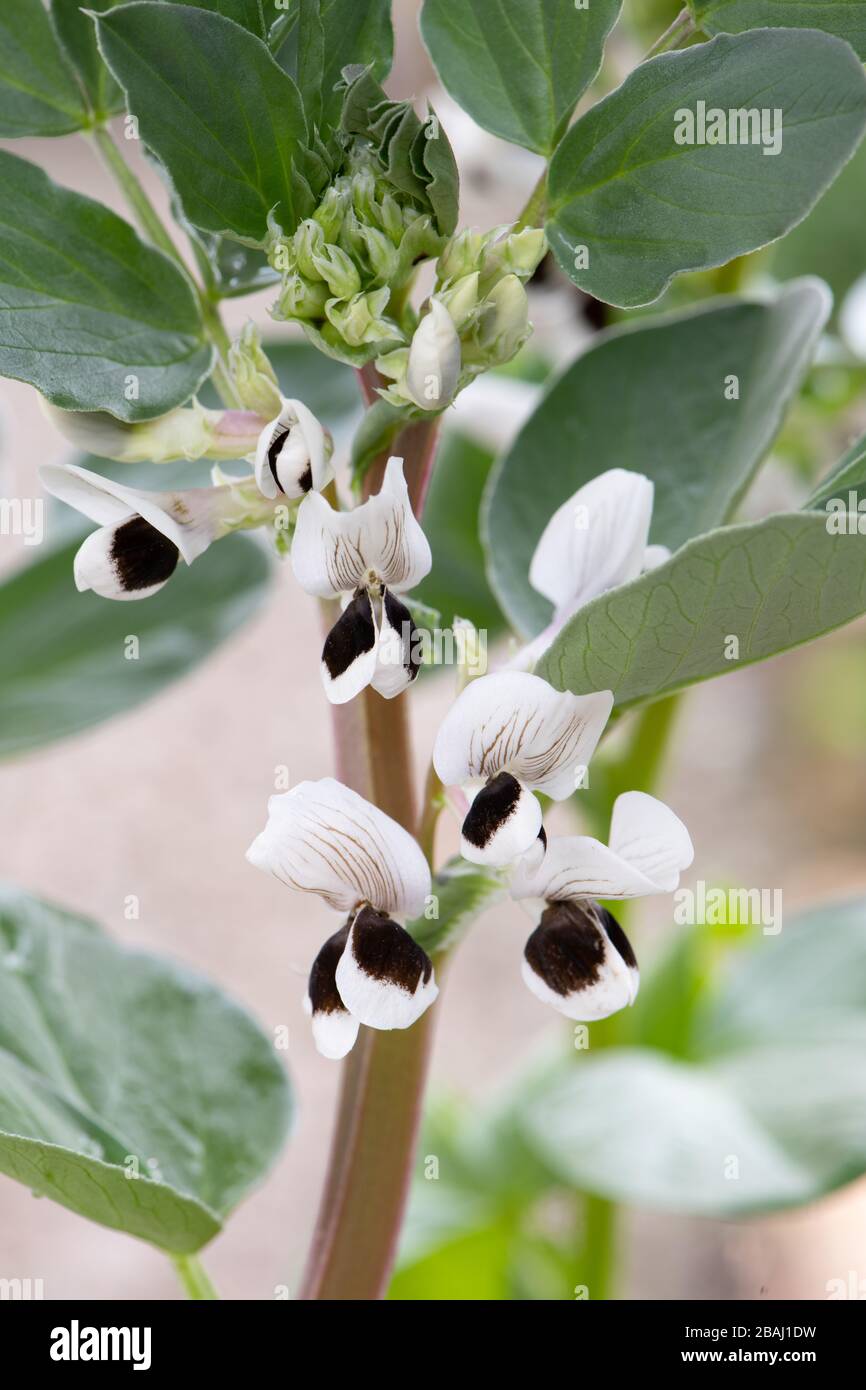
{"x":542,"y":835}
{"x":278,"y":439}
{"x":386,"y":951}
{"x":491,"y":809}
{"x":353,"y":635}
{"x":567,"y":949}
{"x":305,"y":482}
{"x":400,"y":619}
{"x":142,"y":556}
{"x":324,"y":995}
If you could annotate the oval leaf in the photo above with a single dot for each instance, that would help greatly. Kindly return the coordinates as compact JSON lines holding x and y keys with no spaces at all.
{"x":678,"y":423}
{"x":771,"y":584}
{"x":518,"y":66}
{"x":630,"y":207}
{"x":216,"y":108}
{"x":38,"y":91}
{"x":95,"y":1110}
{"x":89,"y":315}
{"x":65,"y":668}
{"x":845,"y":18}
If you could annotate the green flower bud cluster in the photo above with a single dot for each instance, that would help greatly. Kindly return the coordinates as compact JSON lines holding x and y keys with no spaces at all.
{"x":345,"y":270}
{"x":480,"y":281}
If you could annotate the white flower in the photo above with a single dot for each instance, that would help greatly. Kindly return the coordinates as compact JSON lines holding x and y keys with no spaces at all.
{"x":323,"y":838}
{"x":367,"y":555}
{"x":595,"y":541}
{"x":142,"y":535}
{"x":515,"y":733}
{"x":579,"y":959}
{"x":434,"y":359}
{"x":292,"y":454}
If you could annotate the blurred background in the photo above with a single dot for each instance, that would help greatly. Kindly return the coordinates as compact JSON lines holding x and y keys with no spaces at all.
{"x":766,"y":767}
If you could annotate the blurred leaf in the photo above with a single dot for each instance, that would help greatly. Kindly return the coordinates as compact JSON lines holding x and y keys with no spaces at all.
{"x":327,"y":387}
{"x":849,"y":475}
{"x":65,"y":667}
{"x":462,"y":891}
{"x":846,"y":18}
{"x":88,"y":310}
{"x":457,"y":585}
{"x":674,"y":424}
{"x":646,"y":208}
{"x":772,"y":584}
{"x":518,"y":66}
{"x":829,"y":242}
{"x":203,"y":90}
{"x":91,"y":1035}
{"x":472,"y":1266}
{"x":38,"y":91}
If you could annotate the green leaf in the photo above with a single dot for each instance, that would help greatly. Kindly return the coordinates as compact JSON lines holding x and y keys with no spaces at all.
{"x":89,"y":315}
{"x":646,"y":208}
{"x":845,"y":18}
{"x":91,"y":1040}
{"x":217,"y":110}
{"x":462,"y":891}
{"x":829,"y":243}
{"x":77,"y":33}
{"x":457,"y":584}
{"x":772,"y":584}
{"x":849,"y":475}
{"x":38,"y":91}
{"x":350,"y":33}
{"x":65,"y":667}
{"x":249,"y":14}
{"x":518,"y":66}
{"x":675,"y":424}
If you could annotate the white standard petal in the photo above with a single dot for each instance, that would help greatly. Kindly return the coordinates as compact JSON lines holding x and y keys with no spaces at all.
{"x":594,"y":541}
{"x":503,"y":823}
{"x":576,"y":866}
{"x":190,"y":518}
{"x":385,"y":979}
{"x":515,"y":722}
{"x":335,"y":552}
{"x":131,"y":560}
{"x":321,"y":837}
{"x":580,"y":962}
{"x":434,"y":359}
{"x":651,"y":839}
{"x":291,"y":454}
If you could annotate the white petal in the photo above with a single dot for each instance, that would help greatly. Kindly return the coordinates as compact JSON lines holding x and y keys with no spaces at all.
{"x":651,"y":839}
{"x":502,"y":824}
{"x":321,"y":837}
{"x":397,"y":660}
{"x":300,"y":462}
{"x":576,"y":866}
{"x":581,"y":963}
{"x":332,"y":552}
{"x":190,"y":518}
{"x":653,"y":556}
{"x":595,"y":541}
{"x":434,"y":359}
{"x":515,"y":722}
{"x":334,"y":1028}
{"x":385,"y":979}
{"x":350,"y":652}
{"x":115,"y":564}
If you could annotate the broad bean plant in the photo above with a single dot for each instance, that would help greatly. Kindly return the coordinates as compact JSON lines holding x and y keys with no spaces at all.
{"x":613,"y":531}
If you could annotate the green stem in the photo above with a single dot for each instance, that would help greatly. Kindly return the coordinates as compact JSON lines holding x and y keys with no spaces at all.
{"x":194,"y":1277}
{"x":675,"y":35}
{"x":154,"y":229}
{"x":536,"y":204}
{"x":598,"y":1255}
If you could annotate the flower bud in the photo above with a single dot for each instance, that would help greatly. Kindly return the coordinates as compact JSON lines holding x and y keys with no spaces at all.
{"x":461,"y":300}
{"x":383,"y":256}
{"x":461,"y":256}
{"x":254,"y":378}
{"x":300,"y":299}
{"x":334,"y":266}
{"x":434,"y":359}
{"x":331,"y":211}
{"x":309,"y":240}
{"x":190,"y":432}
{"x":364,"y":194}
{"x":360,"y":319}
{"x":391,"y":218}
{"x":516,"y":254}
{"x":504,"y":323}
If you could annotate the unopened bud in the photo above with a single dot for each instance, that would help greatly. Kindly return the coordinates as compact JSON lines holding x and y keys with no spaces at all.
{"x":254,"y":378}
{"x":190,"y":432}
{"x":461,"y":300}
{"x":461,"y":256}
{"x":308,"y":243}
{"x":361,"y":320}
{"x":335,"y":267}
{"x":504,"y":322}
{"x":434,"y":359}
